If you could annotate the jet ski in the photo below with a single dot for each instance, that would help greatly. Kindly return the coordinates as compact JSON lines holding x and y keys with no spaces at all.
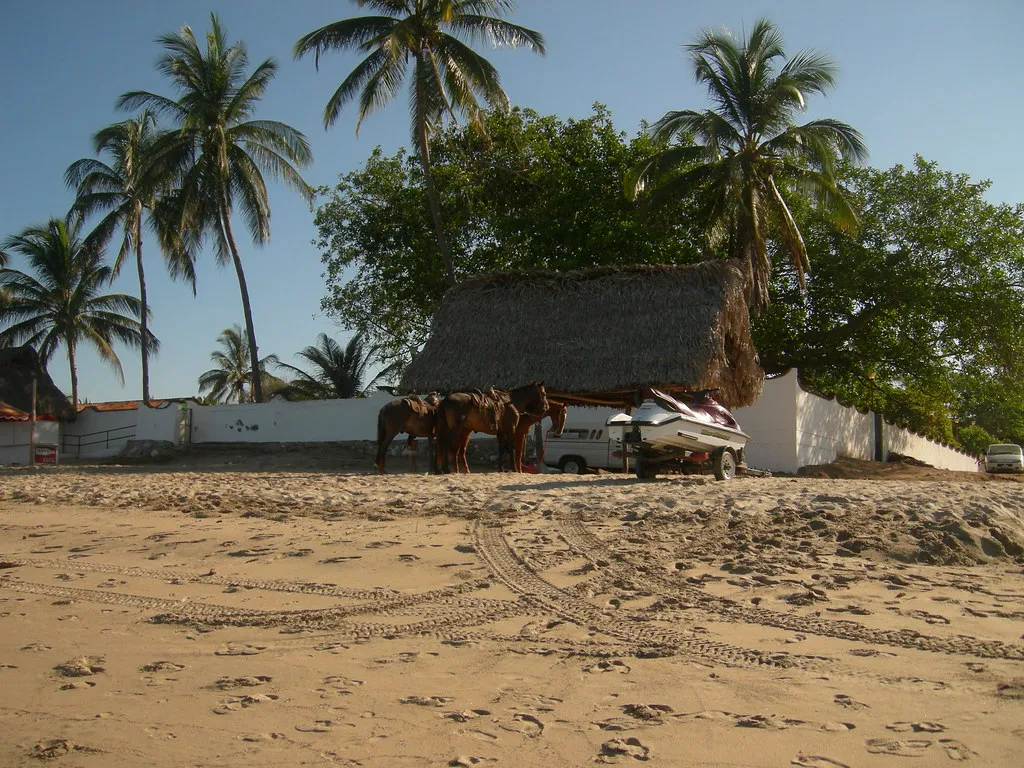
{"x":692,"y":436}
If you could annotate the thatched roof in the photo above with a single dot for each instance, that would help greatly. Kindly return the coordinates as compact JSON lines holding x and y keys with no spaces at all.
{"x":594,"y":336}
{"x":16,"y":368}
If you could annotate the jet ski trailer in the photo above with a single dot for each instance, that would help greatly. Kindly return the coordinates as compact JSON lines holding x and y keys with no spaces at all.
{"x":664,"y":432}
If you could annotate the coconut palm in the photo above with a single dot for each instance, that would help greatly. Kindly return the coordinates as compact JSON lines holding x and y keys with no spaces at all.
{"x":231,"y":151}
{"x":749,"y":154}
{"x":228,"y":381}
{"x":62,"y":301}
{"x":338,"y":371}
{"x":146,"y":162}
{"x":447,"y":78}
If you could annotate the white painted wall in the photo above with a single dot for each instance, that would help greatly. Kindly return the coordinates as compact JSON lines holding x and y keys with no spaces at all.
{"x":826,"y":430}
{"x":14,"y":442}
{"x":162,"y":423}
{"x":920,"y":447}
{"x":789,"y":427}
{"x":14,"y":439}
{"x":771,"y":423}
{"x":98,"y":433}
{"x":280,"y":421}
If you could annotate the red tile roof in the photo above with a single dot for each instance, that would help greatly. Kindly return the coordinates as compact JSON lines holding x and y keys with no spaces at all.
{"x":119,"y":405}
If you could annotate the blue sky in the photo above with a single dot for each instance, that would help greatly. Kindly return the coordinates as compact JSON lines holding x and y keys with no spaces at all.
{"x":934,"y":77}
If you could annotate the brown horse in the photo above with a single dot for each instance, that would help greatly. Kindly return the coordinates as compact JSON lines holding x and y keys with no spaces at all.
{"x":556,"y":412}
{"x":494,"y":413}
{"x":415,"y":417}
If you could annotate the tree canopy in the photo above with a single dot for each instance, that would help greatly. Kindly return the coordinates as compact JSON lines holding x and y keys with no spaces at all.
{"x":926,"y":294}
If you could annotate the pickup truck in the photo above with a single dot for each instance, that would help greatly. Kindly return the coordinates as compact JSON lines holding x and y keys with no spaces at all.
{"x":1004,"y":457}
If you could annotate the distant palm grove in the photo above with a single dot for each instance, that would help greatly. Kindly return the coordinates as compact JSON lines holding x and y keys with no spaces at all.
{"x":896,"y":290}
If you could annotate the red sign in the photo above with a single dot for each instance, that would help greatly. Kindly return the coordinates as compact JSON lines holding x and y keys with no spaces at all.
{"x":46,"y":454}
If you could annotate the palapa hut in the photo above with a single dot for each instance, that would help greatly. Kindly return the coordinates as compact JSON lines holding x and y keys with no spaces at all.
{"x":594,"y":336}
{"x":17,"y":367}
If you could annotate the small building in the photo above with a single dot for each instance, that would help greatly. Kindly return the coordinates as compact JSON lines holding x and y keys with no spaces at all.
{"x":594,"y":336}
{"x":19,"y":367}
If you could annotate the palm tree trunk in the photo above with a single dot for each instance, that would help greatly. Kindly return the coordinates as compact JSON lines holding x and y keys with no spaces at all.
{"x":145,"y":311}
{"x":434,"y":202}
{"x":254,"y":359}
{"x":74,"y":375}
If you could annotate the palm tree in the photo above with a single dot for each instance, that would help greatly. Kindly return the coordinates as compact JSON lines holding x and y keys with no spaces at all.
{"x":63,"y":303}
{"x":227,"y":382}
{"x":339,"y":372}
{"x":231,"y":151}
{"x":749,"y":153}
{"x":448,"y":77}
{"x":145,"y":164}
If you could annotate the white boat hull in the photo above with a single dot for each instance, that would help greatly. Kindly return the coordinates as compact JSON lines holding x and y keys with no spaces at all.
{"x":653,"y":429}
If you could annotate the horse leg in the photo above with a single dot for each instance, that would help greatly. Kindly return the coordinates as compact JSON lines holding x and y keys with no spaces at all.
{"x":384,"y":438}
{"x":519,"y":450}
{"x":410,"y":448}
{"x":461,"y":455}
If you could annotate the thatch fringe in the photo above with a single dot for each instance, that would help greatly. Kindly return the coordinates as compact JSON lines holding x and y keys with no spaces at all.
{"x":596,"y":335}
{"x":17,"y":365}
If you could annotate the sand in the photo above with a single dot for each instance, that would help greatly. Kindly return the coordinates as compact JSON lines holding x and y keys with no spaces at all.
{"x":241,"y":612}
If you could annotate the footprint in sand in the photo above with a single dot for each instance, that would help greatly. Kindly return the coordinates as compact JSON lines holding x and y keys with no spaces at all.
{"x":465,"y":715}
{"x":923,"y":727}
{"x":161,"y":666}
{"x":426,"y":701}
{"x":36,"y":647}
{"x":321,"y":726}
{"x":609,"y":665}
{"x":652,"y":713}
{"x":957,"y":750}
{"x":816,"y":761}
{"x":51,"y":749}
{"x":898,"y":747}
{"x":467,"y":761}
{"x":618,"y":750}
{"x":249,"y":681}
{"x":526,"y":724}
{"x":82,"y":666}
{"x":844,"y":700}
{"x":236,"y":703}
{"x":239,"y":649}
{"x":78,"y":685}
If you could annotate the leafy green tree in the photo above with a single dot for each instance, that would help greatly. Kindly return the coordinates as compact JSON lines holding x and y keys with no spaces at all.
{"x":541,"y":193}
{"x":216,"y":101}
{"x":975,"y":440}
{"x":231,"y":380}
{"x":448,"y":77}
{"x":926,"y":293}
{"x":62,"y":300}
{"x":750,"y":155}
{"x":145,"y":163}
{"x":339,"y":371}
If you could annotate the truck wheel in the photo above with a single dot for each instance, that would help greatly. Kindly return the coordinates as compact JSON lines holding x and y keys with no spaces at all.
{"x":572,"y":465}
{"x":724,"y":464}
{"x":645,"y":470}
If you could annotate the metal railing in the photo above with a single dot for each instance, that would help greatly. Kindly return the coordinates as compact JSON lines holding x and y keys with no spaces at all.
{"x":106,"y":440}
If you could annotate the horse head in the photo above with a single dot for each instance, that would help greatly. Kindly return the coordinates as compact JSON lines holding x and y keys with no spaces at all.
{"x":557,"y":412}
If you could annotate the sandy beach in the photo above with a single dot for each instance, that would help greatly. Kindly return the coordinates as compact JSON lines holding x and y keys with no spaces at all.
{"x":256,"y":611}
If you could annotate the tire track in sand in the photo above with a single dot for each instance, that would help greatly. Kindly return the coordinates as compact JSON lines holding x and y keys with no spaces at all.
{"x":506,"y":566}
{"x":576,"y":535}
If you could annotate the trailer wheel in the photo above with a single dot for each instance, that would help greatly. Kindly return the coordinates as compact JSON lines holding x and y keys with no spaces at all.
{"x":645,"y":470}
{"x":724,"y":464}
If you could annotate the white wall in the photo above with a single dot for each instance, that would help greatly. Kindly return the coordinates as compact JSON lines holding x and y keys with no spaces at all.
{"x":14,"y":442}
{"x":826,"y":430}
{"x":99,"y":433}
{"x":920,"y":447}
{"x":14,"y":439}
{"x":789,"y":427}
{"x":280,"y":421}
{"x":771,"y":423}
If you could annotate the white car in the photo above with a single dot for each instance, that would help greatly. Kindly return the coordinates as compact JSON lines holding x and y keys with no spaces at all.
{"x":1004,"y":457}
